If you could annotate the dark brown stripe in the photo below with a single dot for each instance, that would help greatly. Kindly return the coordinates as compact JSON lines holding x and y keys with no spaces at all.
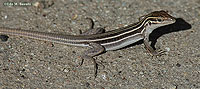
{"x":117,"y":38}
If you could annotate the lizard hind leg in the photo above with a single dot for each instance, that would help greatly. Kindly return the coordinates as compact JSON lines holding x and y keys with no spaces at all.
{"x":92,"y":30}
{"x":95,"y":50}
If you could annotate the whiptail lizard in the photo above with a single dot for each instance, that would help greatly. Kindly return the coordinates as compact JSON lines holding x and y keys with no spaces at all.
{"x":100,"y":41}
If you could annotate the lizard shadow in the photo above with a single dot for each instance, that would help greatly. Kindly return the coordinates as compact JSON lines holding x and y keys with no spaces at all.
{"x":3,"y":38}
{"x":179,"y":25}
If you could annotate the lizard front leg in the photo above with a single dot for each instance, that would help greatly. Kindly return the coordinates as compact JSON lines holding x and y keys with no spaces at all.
{"x":149,"y":48}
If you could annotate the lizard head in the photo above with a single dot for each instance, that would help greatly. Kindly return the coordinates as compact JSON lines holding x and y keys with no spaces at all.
{"x":160,"y":18}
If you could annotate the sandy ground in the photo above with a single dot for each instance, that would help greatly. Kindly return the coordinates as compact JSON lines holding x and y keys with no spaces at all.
{"x":29,"y":63}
